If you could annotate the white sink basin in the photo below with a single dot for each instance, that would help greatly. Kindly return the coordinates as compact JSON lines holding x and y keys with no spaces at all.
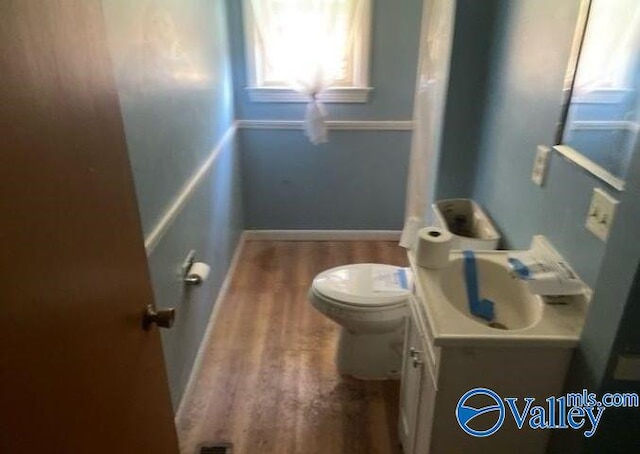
{"x":514,"y":307}
{"x":521,"y":318}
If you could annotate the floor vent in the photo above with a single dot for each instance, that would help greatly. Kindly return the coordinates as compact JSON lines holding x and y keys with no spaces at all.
{"x":215,"y":448}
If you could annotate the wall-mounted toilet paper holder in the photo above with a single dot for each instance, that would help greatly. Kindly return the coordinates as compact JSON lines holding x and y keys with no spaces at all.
{"x":192,"y":280}
{"x":194,"y":273}
{"x":186,"y":266}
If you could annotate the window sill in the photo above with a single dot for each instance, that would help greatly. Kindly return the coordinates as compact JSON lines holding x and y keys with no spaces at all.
{"x":331,"y":95}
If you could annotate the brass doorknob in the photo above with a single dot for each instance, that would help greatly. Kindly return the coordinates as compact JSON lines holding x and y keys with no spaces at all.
{"x":164,"y":318}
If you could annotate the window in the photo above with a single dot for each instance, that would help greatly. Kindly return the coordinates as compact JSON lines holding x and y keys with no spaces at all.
{"x":301,"y":48}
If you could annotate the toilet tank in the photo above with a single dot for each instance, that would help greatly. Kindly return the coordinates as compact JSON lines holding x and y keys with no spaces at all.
{"x":468,"y":223}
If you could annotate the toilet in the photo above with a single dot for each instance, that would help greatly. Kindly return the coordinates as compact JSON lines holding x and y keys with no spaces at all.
{"x":370,"y":302}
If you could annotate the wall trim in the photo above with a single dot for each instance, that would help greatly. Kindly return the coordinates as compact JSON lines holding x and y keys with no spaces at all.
{"x":346,"y":125}
{"x":589,"y":166}
{"x":330,"y":95}
{"x":602,"y":125}
{"x":185,"y":193}
{"x":197,"y":364}
{"x":323,"y":235}
{"x":603,"y":96}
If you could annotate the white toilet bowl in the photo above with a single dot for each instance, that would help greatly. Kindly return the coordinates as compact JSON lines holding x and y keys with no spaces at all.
{"x":370,"y":302}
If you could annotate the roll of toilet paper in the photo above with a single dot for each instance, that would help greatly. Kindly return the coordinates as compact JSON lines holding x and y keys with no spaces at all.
{"x":199,"y":272}
{"x":434,"y":245}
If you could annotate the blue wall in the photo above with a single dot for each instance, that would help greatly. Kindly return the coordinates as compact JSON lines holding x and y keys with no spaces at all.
{"x":611,"y":328}
{"x":618,"y":431}
{"x":468,"y":78}
{"x":612,"y":325}
{"x":522,"y":106}
{"x":172,"y":66}
{"x":357,"y":181}
{"x":291,"y":184}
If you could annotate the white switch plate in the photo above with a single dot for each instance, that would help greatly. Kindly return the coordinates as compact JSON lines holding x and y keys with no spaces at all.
{"x":627,"y":367}
{"x":601,"y":214}
{"x":540,"y":164}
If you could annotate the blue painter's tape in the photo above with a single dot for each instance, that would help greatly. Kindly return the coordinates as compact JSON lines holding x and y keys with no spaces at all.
{"x":402,"y":278}
{"x":519,"y":268}
{"x":482,"y":308}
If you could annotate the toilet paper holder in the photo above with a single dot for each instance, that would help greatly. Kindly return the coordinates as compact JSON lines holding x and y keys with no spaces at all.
{"x":186,"y":266}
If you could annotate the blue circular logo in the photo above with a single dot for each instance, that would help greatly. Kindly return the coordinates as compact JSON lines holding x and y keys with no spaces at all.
{"x":465,"y":413}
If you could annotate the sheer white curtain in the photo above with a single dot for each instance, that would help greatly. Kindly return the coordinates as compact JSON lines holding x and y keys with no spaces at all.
{"x":431,"y":92}
{"x":307,"y":45}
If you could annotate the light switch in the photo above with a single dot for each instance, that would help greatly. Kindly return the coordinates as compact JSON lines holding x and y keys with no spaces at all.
{"x":540,"y":165}
{"x":601,"y":214}
{"x":627,"y":367}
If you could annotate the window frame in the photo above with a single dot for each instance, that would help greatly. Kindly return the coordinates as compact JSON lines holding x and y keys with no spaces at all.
{"x":358,"y":92}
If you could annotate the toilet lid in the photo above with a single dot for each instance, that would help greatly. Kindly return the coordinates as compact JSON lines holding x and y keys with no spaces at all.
{"x":365,"y":284}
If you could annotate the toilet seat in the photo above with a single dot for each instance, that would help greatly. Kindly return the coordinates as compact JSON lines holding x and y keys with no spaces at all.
{"x":364,"y":285}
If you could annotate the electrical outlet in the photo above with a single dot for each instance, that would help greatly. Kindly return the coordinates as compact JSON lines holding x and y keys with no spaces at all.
{"x":601,"y":213}
{"x":540,"y":164}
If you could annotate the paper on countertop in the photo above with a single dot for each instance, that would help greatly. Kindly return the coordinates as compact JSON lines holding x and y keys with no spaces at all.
{"x":398,"y":280}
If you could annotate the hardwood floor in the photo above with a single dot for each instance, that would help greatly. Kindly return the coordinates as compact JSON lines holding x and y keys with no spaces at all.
{"x":268,"y":382}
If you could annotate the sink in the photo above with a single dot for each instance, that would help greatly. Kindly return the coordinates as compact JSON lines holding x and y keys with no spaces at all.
{"x":521,"y":317}
{"x":514,"y":306}
{"x":518,"y":334}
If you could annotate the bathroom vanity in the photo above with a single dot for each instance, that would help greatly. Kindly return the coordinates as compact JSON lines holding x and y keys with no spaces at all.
{"x":524,"y":352}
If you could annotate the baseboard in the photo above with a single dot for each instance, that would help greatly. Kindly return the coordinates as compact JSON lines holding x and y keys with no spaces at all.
{"x":197,"y":364}
{"x":323,"y":235}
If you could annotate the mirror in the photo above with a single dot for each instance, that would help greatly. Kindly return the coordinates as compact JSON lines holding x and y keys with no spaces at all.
{"x":601,"y":113}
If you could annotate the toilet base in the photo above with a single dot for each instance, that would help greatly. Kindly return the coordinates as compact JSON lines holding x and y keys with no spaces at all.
{"x":370,"y":356}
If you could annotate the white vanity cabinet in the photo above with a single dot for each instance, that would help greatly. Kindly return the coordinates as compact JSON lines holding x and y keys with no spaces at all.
{"x":438,"y":369}
{"x":418,"y":386}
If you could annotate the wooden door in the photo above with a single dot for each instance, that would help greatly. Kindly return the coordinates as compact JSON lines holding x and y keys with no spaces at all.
{"x":78,"y":374}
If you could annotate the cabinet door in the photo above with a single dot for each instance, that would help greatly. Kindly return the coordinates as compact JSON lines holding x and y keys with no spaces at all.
{"x":426,"y":406}
{"x":410,"y":388}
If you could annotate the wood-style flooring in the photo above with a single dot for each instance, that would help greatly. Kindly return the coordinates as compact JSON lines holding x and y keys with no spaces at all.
{"x":268,"y":382}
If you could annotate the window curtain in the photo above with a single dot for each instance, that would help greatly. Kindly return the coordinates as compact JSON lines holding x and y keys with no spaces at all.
{"x":431,"y":92}
{"x":609,"y":55}
{"x":308,"y":45}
